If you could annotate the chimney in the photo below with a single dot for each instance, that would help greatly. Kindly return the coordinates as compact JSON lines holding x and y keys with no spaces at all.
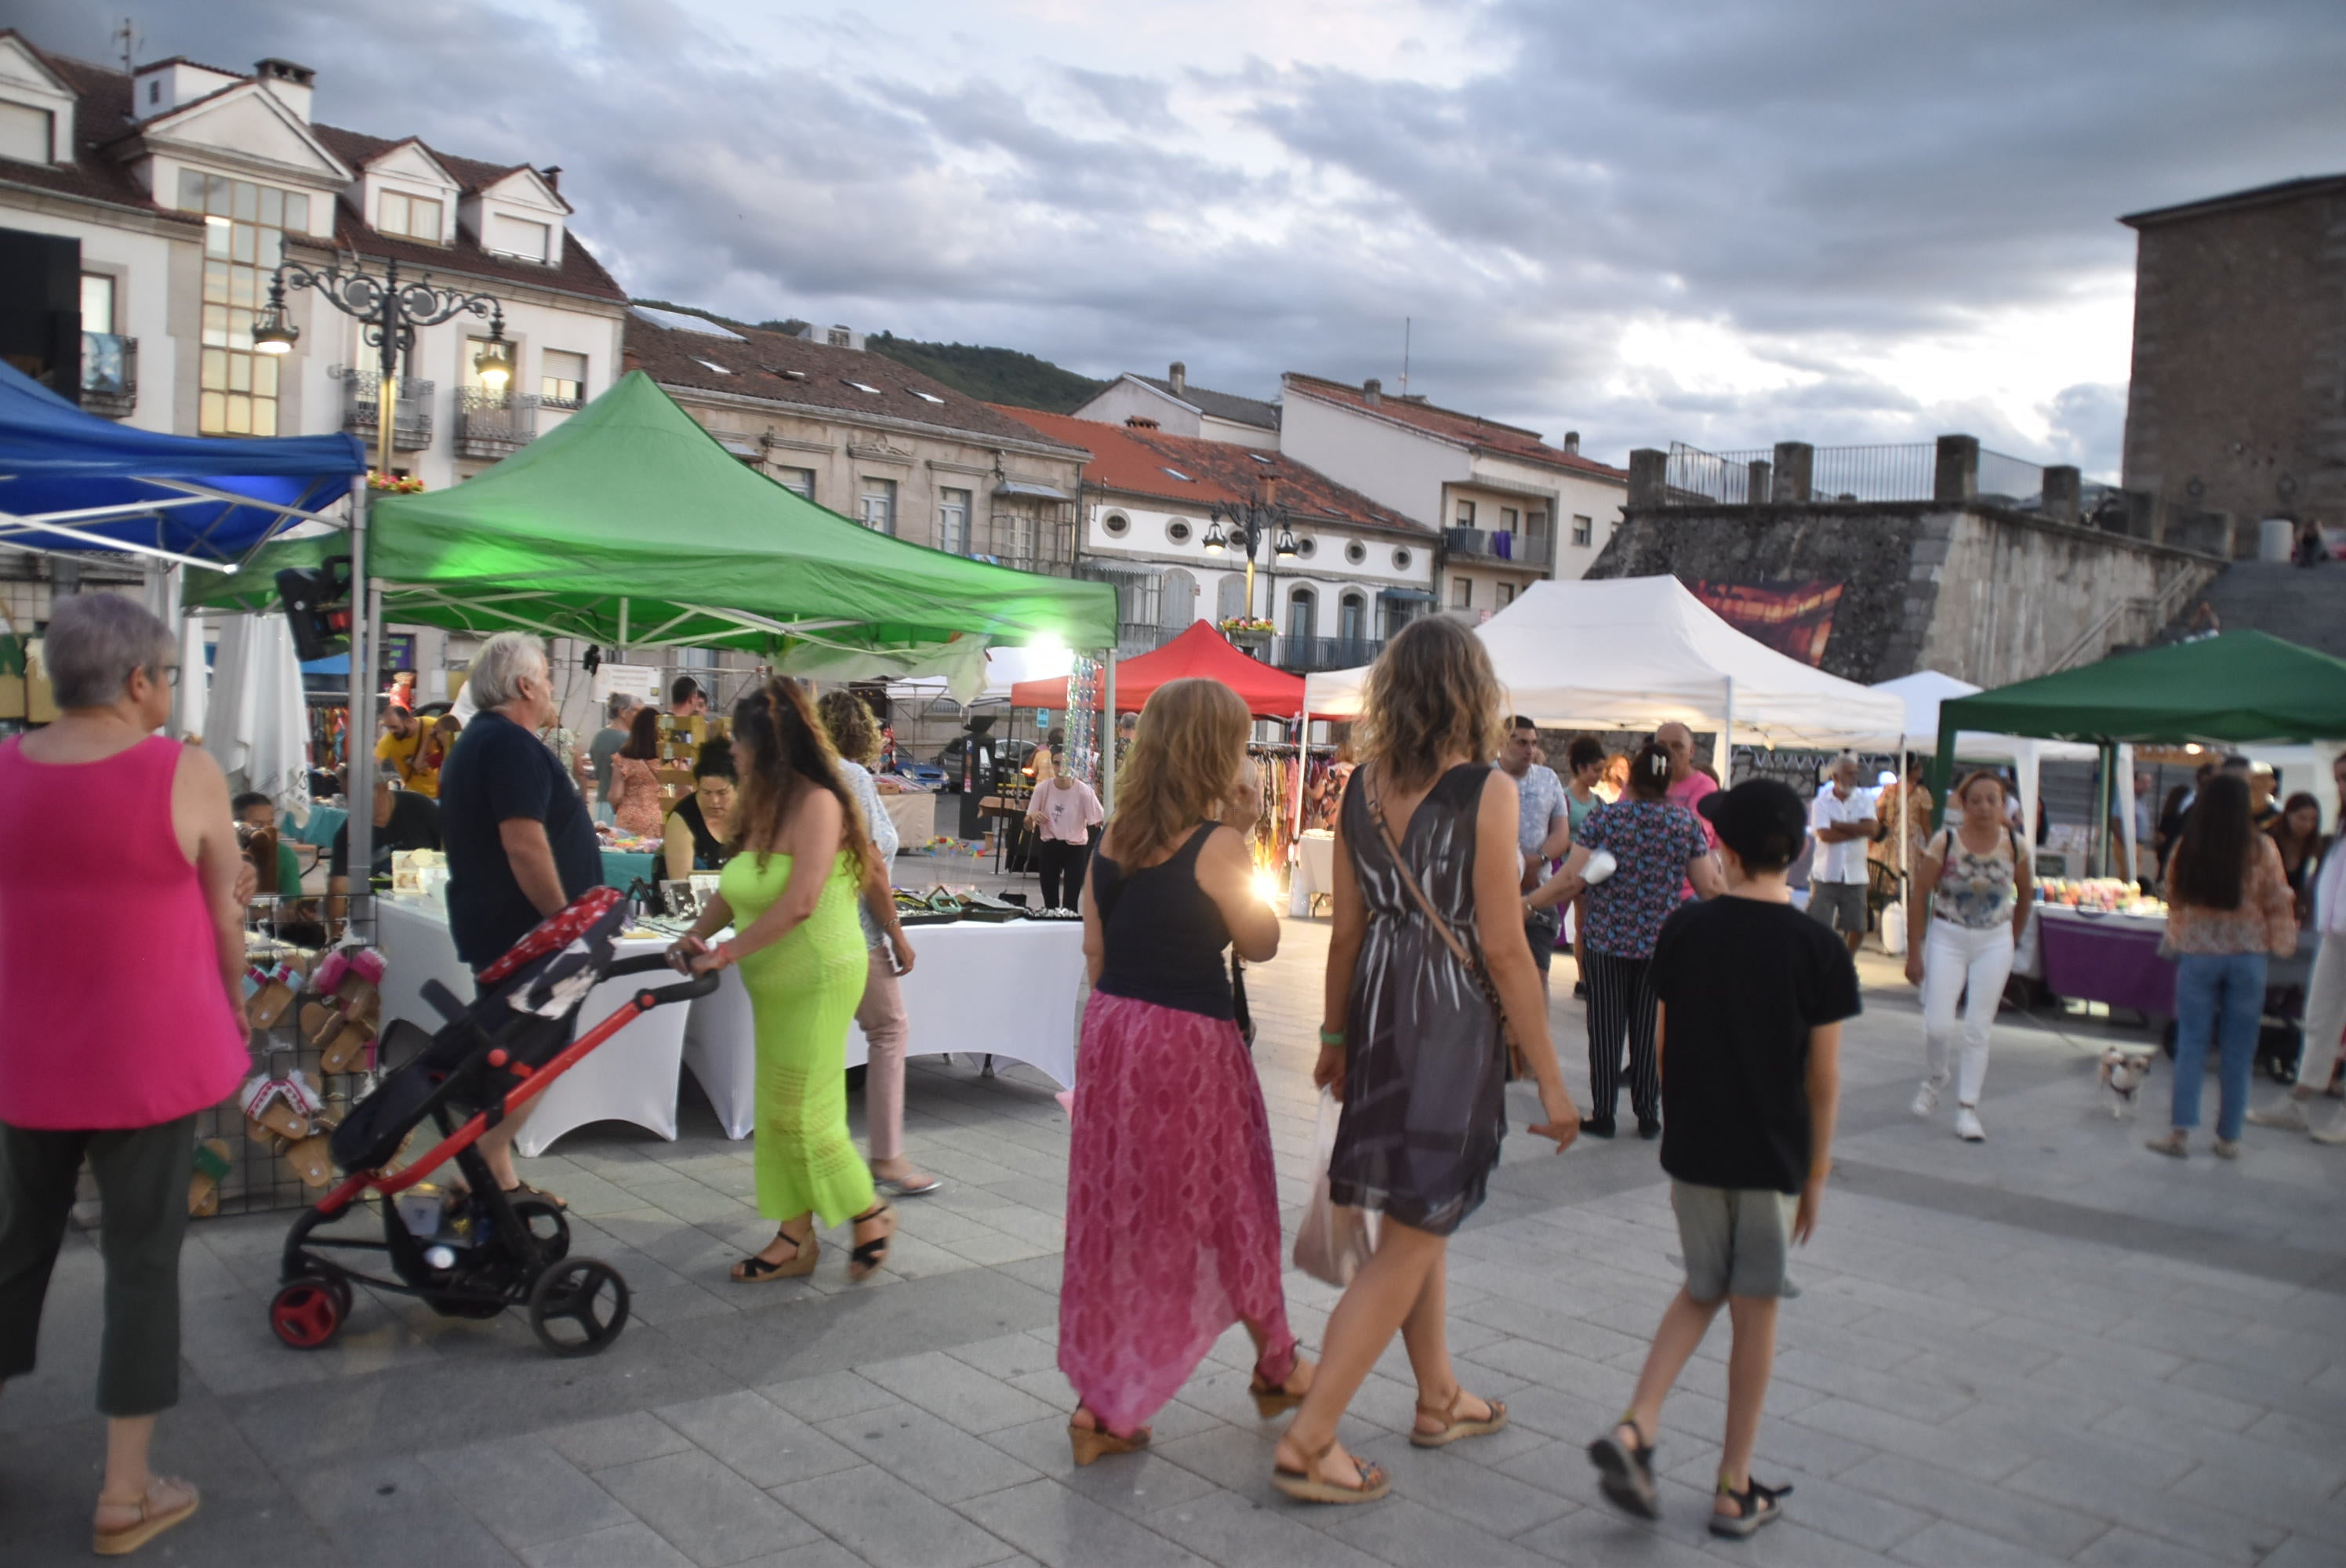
{"x":552,"y":173}
{"x":629,"y":360}
{"x":1179,"y":377}
{"x":1270,"y":490}
{"x":1572,"y":443}
{"x":292,"y":84}
{"x":1372,"y":391}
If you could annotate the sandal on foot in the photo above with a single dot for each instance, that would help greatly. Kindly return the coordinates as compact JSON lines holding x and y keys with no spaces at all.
{"x":1092,"y":1443}
{"x":1456,"y":1426}
{"x":151,"y":1521}
{"x":919,"y":1186}
{"x":1625,"y":1471}
{"x":755,"y":1270}
{"x":2174,"y":1145}
{"x":1307,"y":1485}
{"x":1754,"y":1506}
{"x":868,"y":1256}
{"x":523,"y":1189}
{"x":1275,"y":1399}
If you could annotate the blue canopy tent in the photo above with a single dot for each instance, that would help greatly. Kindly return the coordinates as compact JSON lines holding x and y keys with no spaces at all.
{"x":71,"y":482}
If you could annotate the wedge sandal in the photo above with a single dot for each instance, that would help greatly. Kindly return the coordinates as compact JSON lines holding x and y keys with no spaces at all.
{"x":1305,"y":1485}
{"x":1455,"y":1426}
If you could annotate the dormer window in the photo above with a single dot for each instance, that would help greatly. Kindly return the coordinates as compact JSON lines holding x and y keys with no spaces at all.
{"x":411,"y":217}
{"x":27,"y":133}
{"x":520,"y":237}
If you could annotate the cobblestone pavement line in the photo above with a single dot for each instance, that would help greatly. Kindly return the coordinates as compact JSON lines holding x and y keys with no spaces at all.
{"x":2050,"y":1348}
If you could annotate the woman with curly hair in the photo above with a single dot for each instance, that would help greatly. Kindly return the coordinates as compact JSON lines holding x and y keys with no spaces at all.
{"x":1172,"y":1202}
{"x":1429,"y":935}
{"x":634,"y":794}
{"x":800,"y":860}
{"x":847,"y":718}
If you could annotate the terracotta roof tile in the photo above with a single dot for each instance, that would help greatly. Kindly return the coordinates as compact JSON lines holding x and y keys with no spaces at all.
{"x":801,"y":374}
{"x":1250,"y":411}
{"x":579,"y":272}
{"x":1470,"y":430}
{"x":1197,"y":473}
{"x":101,"y":113}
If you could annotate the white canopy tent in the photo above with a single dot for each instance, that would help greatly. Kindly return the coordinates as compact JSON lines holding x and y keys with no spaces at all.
{"x":1631,"y":653}
{"x":1925,"y":689}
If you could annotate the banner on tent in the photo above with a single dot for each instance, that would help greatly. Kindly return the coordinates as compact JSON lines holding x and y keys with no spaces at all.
{"x":640,"y":681}
{"x":1794,"y":617}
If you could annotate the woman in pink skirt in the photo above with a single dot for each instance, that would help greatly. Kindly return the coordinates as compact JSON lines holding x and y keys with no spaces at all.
{"x":1172,"y":1205}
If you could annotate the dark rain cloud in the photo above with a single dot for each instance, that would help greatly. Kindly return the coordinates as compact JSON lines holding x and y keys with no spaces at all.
{"x":1817,"y":184}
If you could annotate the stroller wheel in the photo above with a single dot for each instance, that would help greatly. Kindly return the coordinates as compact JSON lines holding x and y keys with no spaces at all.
{"x":578,"y":1306}
{"x":308,"y":1313}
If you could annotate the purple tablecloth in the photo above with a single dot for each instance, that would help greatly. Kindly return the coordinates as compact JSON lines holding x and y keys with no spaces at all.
{"x":2105,"y":961}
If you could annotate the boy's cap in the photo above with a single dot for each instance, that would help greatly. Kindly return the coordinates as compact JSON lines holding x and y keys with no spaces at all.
{"x":1752,"y":813}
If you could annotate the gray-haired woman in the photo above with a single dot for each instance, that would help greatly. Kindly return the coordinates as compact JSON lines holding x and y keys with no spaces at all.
{"x":106,"y":826}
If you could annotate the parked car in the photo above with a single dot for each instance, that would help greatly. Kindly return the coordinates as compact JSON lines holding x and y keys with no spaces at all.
{"x":1015,"y":752}
{"x":927,"y":775}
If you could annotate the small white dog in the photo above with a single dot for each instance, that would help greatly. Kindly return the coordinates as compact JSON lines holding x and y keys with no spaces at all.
{"x":2123,"y":1075}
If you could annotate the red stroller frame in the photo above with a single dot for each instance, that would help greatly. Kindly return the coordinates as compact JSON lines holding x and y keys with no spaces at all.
{"x":515,"y":1250}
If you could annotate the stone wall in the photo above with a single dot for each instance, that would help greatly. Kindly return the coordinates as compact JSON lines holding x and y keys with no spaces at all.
{"x":1979,"y":593}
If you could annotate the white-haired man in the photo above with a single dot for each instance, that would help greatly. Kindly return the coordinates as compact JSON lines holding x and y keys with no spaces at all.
{"x":1845,"y":825}
{"x":519,"y":841}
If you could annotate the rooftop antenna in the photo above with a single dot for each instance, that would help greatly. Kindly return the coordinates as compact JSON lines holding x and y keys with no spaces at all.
{"x":127,"y":36}
{"x":1404,"y":358}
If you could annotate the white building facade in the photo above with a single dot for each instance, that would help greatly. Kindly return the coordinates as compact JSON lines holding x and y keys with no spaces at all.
{"x":1510,"y":508}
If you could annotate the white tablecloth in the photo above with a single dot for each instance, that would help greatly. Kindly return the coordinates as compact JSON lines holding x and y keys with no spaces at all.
{"x":915,"y":812}
{"x":630,"y":1078}
{"x":1010,"y":989}
{"x":1315,"y":871}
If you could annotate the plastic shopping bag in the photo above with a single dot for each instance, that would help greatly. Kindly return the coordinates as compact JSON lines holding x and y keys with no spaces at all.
{"x":1333,"y":1240}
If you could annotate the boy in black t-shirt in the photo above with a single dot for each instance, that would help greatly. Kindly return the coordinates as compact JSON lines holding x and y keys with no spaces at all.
{"x":1752,"y":996}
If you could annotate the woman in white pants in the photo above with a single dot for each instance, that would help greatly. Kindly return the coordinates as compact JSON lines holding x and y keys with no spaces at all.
{"x":1974,"y":880}
{"x":2325,"y":1000}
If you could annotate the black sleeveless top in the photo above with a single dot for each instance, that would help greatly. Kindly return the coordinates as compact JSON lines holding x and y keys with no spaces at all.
{"x":1162,"y":935}
{"x":708,"y":854}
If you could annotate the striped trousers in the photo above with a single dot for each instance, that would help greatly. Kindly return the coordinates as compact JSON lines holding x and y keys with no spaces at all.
{"x":1621,"y":999}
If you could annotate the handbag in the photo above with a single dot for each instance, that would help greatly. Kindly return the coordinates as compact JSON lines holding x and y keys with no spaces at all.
{"x":1331,"y":1240}
{"x":1516,"y":1067}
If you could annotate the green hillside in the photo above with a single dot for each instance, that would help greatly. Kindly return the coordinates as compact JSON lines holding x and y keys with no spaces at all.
{"x":994,"y":375}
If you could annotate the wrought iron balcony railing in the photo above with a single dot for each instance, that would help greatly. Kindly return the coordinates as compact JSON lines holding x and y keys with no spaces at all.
{"x":411,"y":414}
{"x":1503,"y":546}
{"x":494,"y":424}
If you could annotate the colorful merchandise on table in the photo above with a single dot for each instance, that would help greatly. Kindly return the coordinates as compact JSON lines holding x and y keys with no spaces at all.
{"x":2103,"y":895}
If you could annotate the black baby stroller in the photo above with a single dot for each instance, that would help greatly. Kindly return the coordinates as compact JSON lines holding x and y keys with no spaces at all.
{"x":475,"y":1255}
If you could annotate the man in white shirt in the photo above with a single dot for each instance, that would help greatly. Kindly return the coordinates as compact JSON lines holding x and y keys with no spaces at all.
{"x":1543,"y":830}
{"x":1845,"y":825}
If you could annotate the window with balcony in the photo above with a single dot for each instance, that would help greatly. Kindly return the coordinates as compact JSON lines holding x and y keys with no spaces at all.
{"x":96,"y":303}
{"x":1506,"y":594}
{"x":879,"y":508}
{"x":1509,"y":519}
{"x":953,"y":521}
{"x":798,"y":480}
{"x":245,"y":227}
{"x":1583,"y":531}
{"x":1302,"y":617}
{"x":1351,"y":618}
{"x":562,"y":378}
{"x":410,"y":216}
{"x":1465,"y":515}
{"x":1462,"y":593}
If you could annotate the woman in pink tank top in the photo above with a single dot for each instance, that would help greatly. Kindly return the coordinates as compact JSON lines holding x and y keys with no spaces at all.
{"x":121,"y":1015}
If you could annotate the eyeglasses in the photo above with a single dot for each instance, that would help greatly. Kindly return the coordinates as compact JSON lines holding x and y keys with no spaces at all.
{"x":166,"y":675}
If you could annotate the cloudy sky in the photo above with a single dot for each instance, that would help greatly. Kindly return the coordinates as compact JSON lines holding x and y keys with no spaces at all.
{"x":1722,"y":223}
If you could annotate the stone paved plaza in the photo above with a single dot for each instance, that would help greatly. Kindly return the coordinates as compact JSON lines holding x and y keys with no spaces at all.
{"x":2053,"y":1347}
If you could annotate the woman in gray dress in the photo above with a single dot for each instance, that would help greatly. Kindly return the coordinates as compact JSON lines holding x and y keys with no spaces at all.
{"x":1411,"y":1041}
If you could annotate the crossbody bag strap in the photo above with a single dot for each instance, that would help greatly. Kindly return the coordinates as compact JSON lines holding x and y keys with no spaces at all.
{"x":1457,"y":948}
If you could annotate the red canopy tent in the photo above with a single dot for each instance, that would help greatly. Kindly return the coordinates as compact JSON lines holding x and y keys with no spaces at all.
{"x":1201,"y":651}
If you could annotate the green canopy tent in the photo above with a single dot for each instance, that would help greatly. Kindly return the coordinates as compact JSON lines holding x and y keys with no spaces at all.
{"x":630,"y":526}
{"x":2236,"y":688}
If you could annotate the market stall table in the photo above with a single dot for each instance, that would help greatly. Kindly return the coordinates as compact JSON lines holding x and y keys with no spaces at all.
{"x":632,"y":1079}
{"x":1010,"y":989}
{"x":622,"y":869}
{"x":324,"y":823}
{"x":915,"y":812}
{"x":2091,"y":956}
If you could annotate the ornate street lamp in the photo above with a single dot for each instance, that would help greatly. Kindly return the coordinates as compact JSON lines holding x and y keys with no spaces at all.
{"x":1248,"y":524}
{"x":390,"y":309}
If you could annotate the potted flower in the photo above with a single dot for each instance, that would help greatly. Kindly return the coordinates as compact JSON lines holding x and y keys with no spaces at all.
{"x":1249,"y":634}
{"x":383,"y":484}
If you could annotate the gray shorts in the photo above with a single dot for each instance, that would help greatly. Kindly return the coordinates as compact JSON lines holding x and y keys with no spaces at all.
{"x":1839,"y":905}
{"x":1738,"y":1241}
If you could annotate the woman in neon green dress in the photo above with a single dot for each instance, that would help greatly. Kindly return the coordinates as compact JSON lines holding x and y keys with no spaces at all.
{"x":800,"y":860}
